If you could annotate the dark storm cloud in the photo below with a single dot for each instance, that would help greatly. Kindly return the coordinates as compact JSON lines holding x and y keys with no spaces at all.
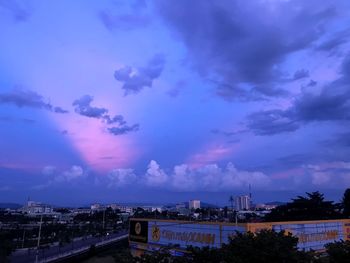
{"x":269,"y":90}
{"x":83,"y":107}
{"x":123,"y":129}
{"x":116,"y":119}
{"x":340,"y":139}
{"x":59,"y":110}
{"x":322,"y":107}
{"x":123,"y":21}
{"x":335,"y":41}
{"x":271,"y":122}
{"x":134,"y":80}
{"x":332,"y":103}
{"x":233,"y":42}
{"x":18,"y":9}
{"x":230,"y":92}
{"x":306,"y":109}
{"x":24,"y":98}
{"x":300,"y":74}
{"x":27,"y":98}
{"x":312,"y":83}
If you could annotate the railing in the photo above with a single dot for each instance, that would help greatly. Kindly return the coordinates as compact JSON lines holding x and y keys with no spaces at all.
{"x":56,"y":252}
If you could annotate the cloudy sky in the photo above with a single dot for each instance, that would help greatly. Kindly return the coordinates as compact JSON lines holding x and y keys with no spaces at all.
{"x":161,"y":101}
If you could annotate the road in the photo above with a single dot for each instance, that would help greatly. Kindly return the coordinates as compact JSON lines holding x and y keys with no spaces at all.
{"x":55,"y":251}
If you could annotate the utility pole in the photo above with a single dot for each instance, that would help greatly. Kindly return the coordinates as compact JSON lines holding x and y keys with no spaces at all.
{"x":103,"y":220}
{"x":24,"y":234}
{"x":38,"y":244}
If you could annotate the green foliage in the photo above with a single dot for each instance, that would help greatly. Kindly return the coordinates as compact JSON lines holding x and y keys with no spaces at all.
{"x":339,"y":252}
{"x":311,"y":207}
{"x":266,"y":246}
{"x":346,"y":203}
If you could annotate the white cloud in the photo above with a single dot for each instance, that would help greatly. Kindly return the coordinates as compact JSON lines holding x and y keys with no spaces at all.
{"x":183,"y":178}
{"x":121,"y":177}
{"x":73,"y":173}
{"x":232,"y":177}
{"x":329,"y":174}
{"x":48,"y":170}
{"x":320,"y":178}
{"x":208,"y":177}
{"x":154,"y":175}
{"x":56,"y":176}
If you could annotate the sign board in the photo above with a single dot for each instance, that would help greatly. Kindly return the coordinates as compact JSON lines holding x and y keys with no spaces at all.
{"x":181,"y":234}
{"x":138,"y":231}
{"x":313,"y":235}
{"x":187,"y":234}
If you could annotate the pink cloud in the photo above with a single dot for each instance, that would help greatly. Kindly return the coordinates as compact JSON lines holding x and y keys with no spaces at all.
{"x":100,"y":150}
{"x":211,"y":154}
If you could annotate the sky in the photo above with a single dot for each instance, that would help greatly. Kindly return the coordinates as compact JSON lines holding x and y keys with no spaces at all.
{"x":166,"y":101}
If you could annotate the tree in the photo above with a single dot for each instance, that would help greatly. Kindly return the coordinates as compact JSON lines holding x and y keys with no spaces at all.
{"x":6,"y":245}
{"x":265,"y":246}
{"x":346,"y":203}
{"x":338,"y":252}
{"x":311,"y":207}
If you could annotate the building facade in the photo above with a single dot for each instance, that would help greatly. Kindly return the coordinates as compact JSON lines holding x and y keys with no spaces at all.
{"x":242,"y":202}
{"x":194,"y":204}
{"x":150,"y":234}
{"x":33,"y":208}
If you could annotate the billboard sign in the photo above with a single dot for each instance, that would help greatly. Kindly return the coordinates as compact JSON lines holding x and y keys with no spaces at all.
{"x":138,"y":231}
{"x":313,"y":235}
{"x":187,"y":234}
{"x":183,"y":234}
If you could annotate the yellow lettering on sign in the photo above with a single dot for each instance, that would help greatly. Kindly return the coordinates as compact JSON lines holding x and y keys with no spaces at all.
{"x":328,"y":235}
{"x":193,"y":237}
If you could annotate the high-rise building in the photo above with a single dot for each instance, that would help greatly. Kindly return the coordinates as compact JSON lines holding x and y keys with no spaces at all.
{"x":242,"y":202}
{"x":194,"y":204}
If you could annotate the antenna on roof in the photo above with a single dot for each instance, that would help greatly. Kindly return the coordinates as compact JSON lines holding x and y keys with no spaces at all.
{"x":250,"y":195}
{"x":250,"y":191}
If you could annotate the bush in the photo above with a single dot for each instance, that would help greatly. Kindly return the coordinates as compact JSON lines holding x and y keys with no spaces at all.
{"x":338,"y":252}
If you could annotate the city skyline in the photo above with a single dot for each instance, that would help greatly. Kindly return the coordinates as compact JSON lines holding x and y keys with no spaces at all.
{"x":166,"y":100}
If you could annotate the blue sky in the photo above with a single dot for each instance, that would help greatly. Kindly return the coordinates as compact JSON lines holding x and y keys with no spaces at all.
{"x":153,"y":101}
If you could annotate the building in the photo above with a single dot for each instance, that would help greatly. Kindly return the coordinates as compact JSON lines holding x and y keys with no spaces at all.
{"x":125,"y":209}
{"x":242,"y":202}
{"x":113,"y":206}
{"x":33,"y":208}
{"x":180,"y":206}
{"x":265,"y":206}
{"x":95,"y":207}
{"x":150,"y":234}
{"x":194,"y":204}
{"x":152,"y":208}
